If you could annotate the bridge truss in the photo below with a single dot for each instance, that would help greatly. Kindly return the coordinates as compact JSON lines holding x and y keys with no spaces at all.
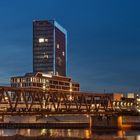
{"x":26,"y":101}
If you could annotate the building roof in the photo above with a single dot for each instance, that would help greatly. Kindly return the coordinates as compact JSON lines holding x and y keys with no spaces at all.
{"x":40,"y":74}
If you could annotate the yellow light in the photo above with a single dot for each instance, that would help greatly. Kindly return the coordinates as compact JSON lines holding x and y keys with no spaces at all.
{"x":87,"y":134}
{"x":70,"y":98}
{"x":120,"y":122}
{"x":121,"y":133}
{"x":44,"y":87}
{"x":121,"y":125}
{"x":28,"y":132}
{"x":6,"y":98}
{"x":43,"y":131}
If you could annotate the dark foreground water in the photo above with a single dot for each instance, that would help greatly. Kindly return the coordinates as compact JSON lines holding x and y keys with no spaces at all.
{"x":69,"y":133}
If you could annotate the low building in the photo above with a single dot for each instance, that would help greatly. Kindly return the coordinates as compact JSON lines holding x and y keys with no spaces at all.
{"x":44,"y":81}
{"x":132,"y":95}
{"x":117,"y":96}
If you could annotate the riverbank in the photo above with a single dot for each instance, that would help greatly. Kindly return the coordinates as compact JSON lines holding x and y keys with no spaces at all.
{"x":18,"y":137}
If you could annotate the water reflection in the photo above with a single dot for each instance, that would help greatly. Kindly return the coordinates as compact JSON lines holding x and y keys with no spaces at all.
{"x":121,"y":133}
{"x":79,"y":133}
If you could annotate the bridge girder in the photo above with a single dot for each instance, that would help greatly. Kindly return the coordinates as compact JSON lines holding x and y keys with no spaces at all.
{"x":23,"y":101}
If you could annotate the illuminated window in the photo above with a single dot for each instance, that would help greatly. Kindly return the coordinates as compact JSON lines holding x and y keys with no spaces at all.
{"x":41,"y":40}
{"x":63,"y":53}
{"x":46,"y":39}
{"x":46,"y":56}
{"x":23,"y":80}
{"x":18,"y":80}
{"x":57,"y":46}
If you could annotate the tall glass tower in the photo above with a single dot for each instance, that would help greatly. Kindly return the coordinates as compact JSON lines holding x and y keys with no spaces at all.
{"x":49,"y":47}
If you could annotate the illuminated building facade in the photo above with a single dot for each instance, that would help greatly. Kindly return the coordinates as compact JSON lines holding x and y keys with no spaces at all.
{"x":49,"y":47}
{"x":44,"y":81}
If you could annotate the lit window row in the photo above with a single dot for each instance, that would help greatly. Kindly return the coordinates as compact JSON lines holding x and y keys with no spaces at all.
{"x":42,"y":40}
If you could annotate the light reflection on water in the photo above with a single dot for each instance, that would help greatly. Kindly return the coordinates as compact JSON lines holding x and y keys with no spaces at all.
{"x":79,"y":133}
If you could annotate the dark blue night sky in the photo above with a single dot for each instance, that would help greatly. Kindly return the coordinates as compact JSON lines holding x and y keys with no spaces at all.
{"x":103,"y":40}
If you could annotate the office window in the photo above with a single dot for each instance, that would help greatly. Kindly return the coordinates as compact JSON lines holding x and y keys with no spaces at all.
{"x":41,"y":40}
{"x":57,"y":46}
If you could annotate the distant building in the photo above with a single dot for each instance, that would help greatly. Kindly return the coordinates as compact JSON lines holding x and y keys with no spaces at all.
{"x":49,"y":47}
{"x":44,"y":81}
{"x":131,"y":95}
{"x":117,"y":96}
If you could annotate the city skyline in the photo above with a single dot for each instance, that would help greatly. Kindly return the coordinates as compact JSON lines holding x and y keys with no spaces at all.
{"x":103,"y":50}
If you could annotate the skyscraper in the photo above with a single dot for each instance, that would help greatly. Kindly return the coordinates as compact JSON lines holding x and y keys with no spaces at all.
{"x":49,"y":47}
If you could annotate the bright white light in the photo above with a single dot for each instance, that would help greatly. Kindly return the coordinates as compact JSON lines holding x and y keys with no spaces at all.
{"x":46,"y":56}
{"x":44,"y":87}
{"x":124,"y":104}
{"x":6,"y":98}
{"x":41,"y":40}
{"x":47,"y":75}
{"x":97,"y":105}
{"x":57,"y":46}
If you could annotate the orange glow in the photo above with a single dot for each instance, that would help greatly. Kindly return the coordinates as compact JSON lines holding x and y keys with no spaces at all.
{"x":87,"y":134}
{"x":121,"y":133}
{"x":121,"y":125}
{"x":120,"y":122}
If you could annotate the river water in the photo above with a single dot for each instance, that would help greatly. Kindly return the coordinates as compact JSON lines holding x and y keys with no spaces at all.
{"x":74,"y":133}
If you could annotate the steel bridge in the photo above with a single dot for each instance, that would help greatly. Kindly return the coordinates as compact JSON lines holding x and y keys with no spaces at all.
{"x":29,"y":101}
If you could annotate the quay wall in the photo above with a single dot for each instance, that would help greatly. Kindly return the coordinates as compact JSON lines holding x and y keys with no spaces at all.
{"x":115,"y":122}
{"x":45,"y":119}
{"x":95,"y":122}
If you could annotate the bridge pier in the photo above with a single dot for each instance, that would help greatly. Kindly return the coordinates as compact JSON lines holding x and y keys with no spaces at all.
{"x":105,"y":122}
{"x":1,"y":118}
